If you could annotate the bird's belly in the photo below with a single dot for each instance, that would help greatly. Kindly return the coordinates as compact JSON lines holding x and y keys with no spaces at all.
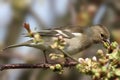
{"x":73,"y":45}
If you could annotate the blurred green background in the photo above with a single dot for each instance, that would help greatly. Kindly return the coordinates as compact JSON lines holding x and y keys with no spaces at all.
{"x":43,"y":14}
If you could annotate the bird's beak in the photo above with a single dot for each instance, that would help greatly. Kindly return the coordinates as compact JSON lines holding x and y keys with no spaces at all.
{"x":106,"y":41}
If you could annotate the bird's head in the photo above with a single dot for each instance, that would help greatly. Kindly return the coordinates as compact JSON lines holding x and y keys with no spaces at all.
{"x":100,"y":34}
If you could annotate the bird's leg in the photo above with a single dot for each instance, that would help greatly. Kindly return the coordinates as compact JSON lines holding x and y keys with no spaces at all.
{"x":67,"y":56}
{"x":45,"y":57}
{"x":67,"y":59}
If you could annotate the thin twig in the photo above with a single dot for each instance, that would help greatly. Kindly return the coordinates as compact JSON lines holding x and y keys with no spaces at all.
{"x":34,"y":66}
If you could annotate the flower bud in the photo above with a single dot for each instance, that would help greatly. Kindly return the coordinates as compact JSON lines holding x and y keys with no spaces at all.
{"x":58,"y":67}
{"x":81,"y":60}
{"x":94,"y":58}
{"x":52,"y":67}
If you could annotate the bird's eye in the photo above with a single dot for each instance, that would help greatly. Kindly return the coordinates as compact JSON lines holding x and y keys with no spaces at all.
{"x":102,"y":35}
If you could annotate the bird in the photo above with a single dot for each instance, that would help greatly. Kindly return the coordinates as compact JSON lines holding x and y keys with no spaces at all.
{"x":76,"y":39}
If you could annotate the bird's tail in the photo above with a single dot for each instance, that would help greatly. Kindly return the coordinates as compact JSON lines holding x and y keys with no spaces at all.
{"x":13,"y":46}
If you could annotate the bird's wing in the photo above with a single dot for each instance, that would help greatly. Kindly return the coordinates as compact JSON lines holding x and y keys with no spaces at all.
{"x":65,"y":31}
{"x":71,"y":28}
{"x":55,"y":33}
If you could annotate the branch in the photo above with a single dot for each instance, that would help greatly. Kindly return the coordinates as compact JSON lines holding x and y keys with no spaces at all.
{"x":34,"y":66}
